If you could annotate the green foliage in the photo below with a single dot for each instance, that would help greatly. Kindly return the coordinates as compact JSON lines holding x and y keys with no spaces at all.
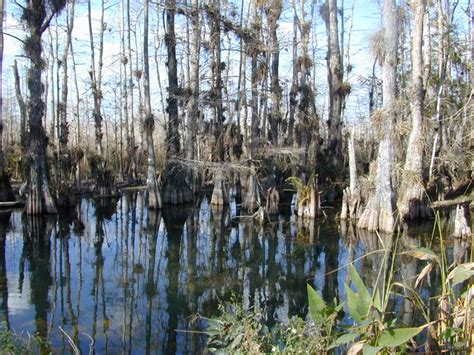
{"x":12,"y":343}
{"x":375,"y":328}
{"x":302,"y":189}
{"x":238,"y":331}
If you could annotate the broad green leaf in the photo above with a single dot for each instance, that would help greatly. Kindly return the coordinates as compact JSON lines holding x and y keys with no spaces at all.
{"x":343,"y":339}
{"x":371,"y":350}
{"x":316,"y":304}
{"x":423,"y":254}
{"x":362,"y":291}
{"x":353,"y":304}
{"x":391,"y":338}
{"x":461,"y":273}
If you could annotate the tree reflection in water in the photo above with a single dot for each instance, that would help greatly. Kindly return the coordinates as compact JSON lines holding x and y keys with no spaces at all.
{"x":131,"y":280}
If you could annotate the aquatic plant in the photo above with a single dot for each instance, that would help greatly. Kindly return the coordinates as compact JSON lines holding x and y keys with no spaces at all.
{"x":374,"y":326}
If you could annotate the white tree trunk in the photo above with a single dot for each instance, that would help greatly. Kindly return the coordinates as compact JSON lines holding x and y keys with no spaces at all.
{"x":412,"y":203}
{"x":379,"y":211}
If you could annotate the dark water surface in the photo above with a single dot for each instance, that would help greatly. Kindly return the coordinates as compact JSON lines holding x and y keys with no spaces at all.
{"x":121,"y":279}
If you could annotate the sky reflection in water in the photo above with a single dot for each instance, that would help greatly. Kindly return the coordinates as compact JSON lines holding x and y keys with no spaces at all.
{"x":126,"y":278}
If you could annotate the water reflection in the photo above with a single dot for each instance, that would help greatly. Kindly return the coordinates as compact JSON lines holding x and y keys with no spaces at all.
{"x":119,"y":278}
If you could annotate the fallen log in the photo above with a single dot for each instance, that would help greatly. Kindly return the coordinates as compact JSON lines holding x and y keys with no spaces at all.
{"x":11,"y":204}
{"x":453,"y":202}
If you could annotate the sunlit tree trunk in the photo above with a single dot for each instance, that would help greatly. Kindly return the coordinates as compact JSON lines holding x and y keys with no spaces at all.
{"x":154,"y":198}
{"x":64,"y":126}
{"x":379,"y":211}
{"x":273,"y":15}
{"x":193,"y":104}
{"x":39,"y":197}
{"x":439,"y":141}
{"x":412,"y":203}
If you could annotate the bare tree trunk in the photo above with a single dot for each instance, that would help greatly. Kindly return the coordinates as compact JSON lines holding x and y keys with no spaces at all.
{"x":21,"y":105}
{"x":39,"y":196}
{"x":439,"y":141}
{"x":51,"y":62}
{"x":294,"y":84}
{"x":273,"y":15}
{"x":64,"y":126}
{"x":379,"y":211}
{"x":193,"y":104}
{"x":77,"y":114}
{"x":133,"y":149}
{"x":306,"y":117}
{"x":254,"y":125}
{"x":216,"y":89}
{"x":124,"y":91}
{"x":172,"y":144}
{"x":5,"y":188}
{"x":95,"y":90}
{"x":154,"y":197}
{"x":412,"y":203}
{"x":336,"y":90}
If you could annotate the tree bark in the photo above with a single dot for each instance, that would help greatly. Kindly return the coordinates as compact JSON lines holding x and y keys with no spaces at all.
{"x":351,"y":196}
{"x":412,"y":203}
{"x":294,"y":85}
{"x":214,"y":15}
{"x":379,"y":211}
{"x":336,"y":92}
{"x":132,"y":153}
{"x":172,"y":139}
{"x":64,"y":126}
{"x":154,"y":197}
{"x":95,"y":90}
{"x":6,"y":193}
{"x":273,"y":15}
{"x":39,"y":197}
{"x":21,"y":105}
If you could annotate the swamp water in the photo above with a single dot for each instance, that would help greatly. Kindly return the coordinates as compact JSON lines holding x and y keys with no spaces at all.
{"x":120,"y":279}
